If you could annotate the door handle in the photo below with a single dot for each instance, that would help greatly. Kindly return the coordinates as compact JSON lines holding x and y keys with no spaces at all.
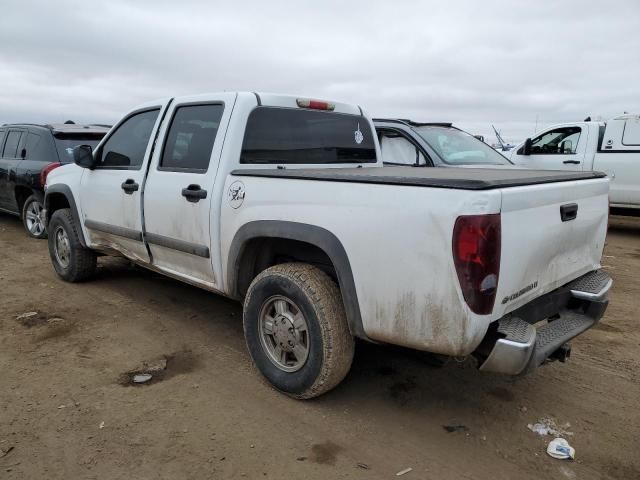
{"x":574,"y":162}
{"x":193,"y":193}
{"x":129,"y":186}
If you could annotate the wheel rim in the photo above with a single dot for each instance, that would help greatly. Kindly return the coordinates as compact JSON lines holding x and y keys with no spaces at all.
{"x":33,"y":218}
{"x":284,"y":333}
{"x":62,"y":247}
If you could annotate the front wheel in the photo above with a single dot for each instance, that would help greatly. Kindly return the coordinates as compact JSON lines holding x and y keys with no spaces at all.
{"x":296,"y":330}
{"x":71,"y":261}
{"x":32,"y":217}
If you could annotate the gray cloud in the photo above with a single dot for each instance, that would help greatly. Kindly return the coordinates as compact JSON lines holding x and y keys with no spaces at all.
{"x":473,"y":63}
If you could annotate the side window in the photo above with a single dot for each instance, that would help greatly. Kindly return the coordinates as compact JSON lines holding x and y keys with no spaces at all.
{"x":126,"y":147}
{"x":11,"y":145}
{"x":190,"y":139}
{"x":397,"y":150}
{"x":560,"y":141}
{"x":631,"y":134}
{"x":31,"y":145}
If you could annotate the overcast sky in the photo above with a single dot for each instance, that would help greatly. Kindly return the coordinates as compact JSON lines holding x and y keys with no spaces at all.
{"x":474,"y":63}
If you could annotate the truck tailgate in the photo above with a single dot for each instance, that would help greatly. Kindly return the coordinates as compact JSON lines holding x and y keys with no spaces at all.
{"x":541,"y":250}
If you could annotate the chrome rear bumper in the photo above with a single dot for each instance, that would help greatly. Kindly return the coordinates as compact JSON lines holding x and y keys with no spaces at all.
{"x":523,"y":341}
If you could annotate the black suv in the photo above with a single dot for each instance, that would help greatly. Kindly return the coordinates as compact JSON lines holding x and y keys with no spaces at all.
{"x":27,"y":154}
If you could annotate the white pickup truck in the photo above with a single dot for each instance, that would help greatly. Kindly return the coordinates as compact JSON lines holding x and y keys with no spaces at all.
{"x":281,"y":202}
{"x":612,"y":147}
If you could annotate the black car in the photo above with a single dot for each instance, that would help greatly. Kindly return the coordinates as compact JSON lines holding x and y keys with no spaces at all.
{"x":27,"y":154}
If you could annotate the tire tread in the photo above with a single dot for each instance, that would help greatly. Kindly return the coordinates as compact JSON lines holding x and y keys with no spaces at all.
{"x":326,"y":300}
{"x":83,"y":260}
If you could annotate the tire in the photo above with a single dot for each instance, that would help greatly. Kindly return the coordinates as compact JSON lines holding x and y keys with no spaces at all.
{"x":32,"y":216}
{"x":71,"y":261}
{"x":307,"y":291}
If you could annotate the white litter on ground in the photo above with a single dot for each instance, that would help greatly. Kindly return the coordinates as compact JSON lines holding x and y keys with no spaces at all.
{"x":559,"y":448}
{"x":548,"y":426}
{"x":402,"y":472}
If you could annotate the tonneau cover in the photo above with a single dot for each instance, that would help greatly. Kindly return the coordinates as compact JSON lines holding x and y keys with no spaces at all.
{"x":437,"y":177}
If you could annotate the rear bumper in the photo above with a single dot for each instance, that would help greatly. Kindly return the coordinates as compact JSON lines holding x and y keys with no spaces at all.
{"x":526,"y":338}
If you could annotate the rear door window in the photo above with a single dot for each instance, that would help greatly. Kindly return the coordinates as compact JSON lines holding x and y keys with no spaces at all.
{"x":12,"y":143}
{"x":32,"y":147}
{"x":191,"y":136}
{"x":289,"y":136}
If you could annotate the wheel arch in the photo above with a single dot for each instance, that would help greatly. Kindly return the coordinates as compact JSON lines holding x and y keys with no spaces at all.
{"x":22,"y":192}
{"x":246,"y":245}
{"x":58,"y":197}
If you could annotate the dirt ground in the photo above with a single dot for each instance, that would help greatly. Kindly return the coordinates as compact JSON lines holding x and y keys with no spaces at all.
{"x":68,"y":411}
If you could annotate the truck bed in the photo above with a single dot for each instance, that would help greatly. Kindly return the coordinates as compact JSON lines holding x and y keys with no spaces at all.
{"x":437,"y":177}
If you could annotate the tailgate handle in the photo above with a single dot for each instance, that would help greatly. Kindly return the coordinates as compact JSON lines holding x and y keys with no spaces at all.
{"x":568,"y":211}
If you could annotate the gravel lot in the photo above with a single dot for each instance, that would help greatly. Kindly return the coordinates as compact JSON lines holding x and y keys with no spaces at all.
{"x":68,"y":411}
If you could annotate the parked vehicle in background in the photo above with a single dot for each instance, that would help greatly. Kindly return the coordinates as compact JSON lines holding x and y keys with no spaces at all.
{"x":405,"y":142}
{"x":280,"y":202}
{"x":27,"y":154}
{"x":612,"y":147}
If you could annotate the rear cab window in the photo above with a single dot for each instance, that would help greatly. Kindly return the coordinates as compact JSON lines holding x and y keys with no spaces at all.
{"x":276,"y":135}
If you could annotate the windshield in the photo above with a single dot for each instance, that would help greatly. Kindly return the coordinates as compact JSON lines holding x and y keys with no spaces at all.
{"x":66,"y":144}
{"x":455,"y":147}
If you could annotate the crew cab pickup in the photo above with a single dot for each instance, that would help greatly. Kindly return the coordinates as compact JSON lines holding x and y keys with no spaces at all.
{"x":281,"y":202}
{"x":612,"y":147}
{"x":418,"y":144}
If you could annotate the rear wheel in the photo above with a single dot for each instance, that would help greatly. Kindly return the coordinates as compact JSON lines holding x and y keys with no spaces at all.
{"x":32,"y":216}
{"x":71,"y":261}
{"x":296,"y":330}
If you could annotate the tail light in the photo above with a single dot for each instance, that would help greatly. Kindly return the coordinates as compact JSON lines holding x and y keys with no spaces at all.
{"x":45,"y":172}
{"x":476,"y":254}
{"x":315,"y":104}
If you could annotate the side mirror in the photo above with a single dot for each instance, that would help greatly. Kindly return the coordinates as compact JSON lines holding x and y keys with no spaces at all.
{"x":23,"y":153}
{"x":526,"y":148}
{"x":83,"y":157}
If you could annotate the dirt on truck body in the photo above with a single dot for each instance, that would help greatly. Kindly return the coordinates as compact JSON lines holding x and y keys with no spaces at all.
{"x":69,"y":408}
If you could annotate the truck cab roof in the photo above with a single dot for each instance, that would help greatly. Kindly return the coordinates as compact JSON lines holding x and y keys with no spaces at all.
{"x":266,"y":99}
{"x":413,"y":123}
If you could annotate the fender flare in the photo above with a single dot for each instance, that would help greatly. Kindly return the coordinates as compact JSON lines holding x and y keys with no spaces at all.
{"x":66,"y":192}
{"x":317,"y":236}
